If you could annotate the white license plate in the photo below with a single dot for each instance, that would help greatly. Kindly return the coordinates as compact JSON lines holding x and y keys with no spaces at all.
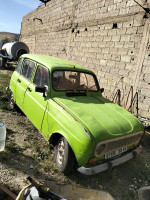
{"x":115,"y":153}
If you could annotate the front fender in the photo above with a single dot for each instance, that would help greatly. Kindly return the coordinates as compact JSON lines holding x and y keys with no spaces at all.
{"x":62,"y":122}
{"x":81,"y":148}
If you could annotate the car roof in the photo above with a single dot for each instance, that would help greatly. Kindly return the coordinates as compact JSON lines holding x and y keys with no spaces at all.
{"x":54,"y":63}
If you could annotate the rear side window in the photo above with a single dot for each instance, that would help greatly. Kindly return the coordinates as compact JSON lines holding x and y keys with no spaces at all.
{"x":18,"y":68}
{"x":41,"y":77}
{"x":28,"y":67}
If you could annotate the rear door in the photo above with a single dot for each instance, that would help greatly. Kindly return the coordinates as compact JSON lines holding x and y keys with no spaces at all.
{"x":23,"y":82}
{"x":35,"y":104}
{"x":14,"y":77}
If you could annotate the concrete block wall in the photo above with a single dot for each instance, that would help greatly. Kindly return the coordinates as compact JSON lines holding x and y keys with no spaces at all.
{"x":111,"y":37}
{"x":144,"y":83}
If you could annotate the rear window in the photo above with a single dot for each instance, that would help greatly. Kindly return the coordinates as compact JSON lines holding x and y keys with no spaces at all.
{"x":28,"y":67}
{"x":18,"y":68}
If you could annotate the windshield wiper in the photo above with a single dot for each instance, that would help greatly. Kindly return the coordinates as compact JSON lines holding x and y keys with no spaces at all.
{"x":82,"y":85}
{"x":73,"y":94}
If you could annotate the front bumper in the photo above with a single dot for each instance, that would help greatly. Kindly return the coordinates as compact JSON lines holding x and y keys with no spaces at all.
{"x":106,"y":166}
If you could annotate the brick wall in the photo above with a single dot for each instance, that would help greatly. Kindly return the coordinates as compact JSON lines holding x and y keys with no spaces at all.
{"x":111,"y":37}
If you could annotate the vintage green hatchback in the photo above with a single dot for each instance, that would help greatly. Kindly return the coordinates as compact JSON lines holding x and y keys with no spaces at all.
{"x":65,"y":103}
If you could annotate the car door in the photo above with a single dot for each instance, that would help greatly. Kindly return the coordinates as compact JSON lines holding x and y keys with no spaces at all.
{"x":35,"y":103}
{"x":23,"y":81}
{"x":15,"y":76}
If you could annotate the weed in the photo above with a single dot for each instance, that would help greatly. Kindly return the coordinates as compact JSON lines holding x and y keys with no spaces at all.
{"x":13,"y":147}
{"x":36,"y":169}
{"x":29,"y":137}
{"x":3,"y":93}
{"x":12,"y":172}
{"x":21,"y":123}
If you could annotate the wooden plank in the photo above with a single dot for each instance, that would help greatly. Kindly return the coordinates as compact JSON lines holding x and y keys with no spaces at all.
{"x":11,"y":194}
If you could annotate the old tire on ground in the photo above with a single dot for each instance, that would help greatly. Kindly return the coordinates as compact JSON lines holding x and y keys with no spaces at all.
{"x":11,"y":101}
{"x":64,"y":156}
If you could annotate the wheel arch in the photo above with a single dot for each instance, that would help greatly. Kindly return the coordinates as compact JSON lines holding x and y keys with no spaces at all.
{"x":55,"y":138}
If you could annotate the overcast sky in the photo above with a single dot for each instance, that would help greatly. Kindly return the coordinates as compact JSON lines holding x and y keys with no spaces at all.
{"x":12,"y":12}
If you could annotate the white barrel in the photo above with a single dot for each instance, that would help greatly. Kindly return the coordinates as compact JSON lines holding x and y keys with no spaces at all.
{"x":16,"y":49}
{"x":2,"y":136}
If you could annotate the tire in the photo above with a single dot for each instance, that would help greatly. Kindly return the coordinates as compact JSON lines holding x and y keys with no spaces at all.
{"x":11,"y":101}
{"x":4,"y":61}
{"x":64,"y":156}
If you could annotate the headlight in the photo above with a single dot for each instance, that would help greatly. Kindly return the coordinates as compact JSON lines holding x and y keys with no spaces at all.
{"x":99,"y":149}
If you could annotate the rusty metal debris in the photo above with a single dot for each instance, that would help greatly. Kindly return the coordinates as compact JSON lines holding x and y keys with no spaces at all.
{"x":3,"y":188}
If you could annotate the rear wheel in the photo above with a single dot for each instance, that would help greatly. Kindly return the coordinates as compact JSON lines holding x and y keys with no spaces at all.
{"x":64,"y":156}
{"x":11,"y":101}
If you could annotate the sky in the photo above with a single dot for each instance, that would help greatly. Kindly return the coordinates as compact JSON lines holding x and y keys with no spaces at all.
{"x":12,"y":12}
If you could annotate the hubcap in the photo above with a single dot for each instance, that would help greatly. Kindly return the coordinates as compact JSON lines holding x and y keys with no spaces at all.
{"x":61,"y":152}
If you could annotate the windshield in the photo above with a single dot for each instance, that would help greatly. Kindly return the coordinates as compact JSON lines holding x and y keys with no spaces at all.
{"x":73,"y":81}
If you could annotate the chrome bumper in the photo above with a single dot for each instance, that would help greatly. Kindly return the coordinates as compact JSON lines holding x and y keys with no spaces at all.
{"x":106,"y":166}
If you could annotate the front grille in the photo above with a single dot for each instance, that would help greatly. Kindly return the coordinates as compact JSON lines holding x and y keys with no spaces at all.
{"x":117,"y":143}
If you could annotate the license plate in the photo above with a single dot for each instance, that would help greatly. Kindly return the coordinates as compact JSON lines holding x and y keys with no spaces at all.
{"x":115,"y":153}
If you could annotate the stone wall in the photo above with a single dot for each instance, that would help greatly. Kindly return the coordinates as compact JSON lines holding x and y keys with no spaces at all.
{"x":111,"y":37}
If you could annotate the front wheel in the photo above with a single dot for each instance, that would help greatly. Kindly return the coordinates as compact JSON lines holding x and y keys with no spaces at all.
{"x":64,"y":156}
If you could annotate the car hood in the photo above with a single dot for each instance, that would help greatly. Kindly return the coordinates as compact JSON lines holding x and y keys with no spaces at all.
{"x":102,"y":118}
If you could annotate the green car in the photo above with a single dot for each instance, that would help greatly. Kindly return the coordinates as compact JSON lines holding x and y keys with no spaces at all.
{"x":65,"y":103}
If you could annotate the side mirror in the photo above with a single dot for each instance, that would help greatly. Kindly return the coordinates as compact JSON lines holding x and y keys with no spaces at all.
{"x":43,"y":90}
{"x":40,"y":89}
{"x":102,"y":90}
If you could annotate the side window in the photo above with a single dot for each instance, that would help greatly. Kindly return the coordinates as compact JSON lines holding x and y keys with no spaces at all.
{"x":18,"y":68}
{"x":28,"y":67}
{"x":41,"y":77}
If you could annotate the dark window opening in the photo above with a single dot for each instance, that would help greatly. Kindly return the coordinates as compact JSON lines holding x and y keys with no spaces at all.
{"x":115,"y":25}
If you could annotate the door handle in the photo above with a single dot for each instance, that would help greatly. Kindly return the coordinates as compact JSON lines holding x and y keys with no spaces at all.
{"x":29,"y":89}
{"x":19,"y":80}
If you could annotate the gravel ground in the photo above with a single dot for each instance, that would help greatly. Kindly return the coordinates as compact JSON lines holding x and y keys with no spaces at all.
{"x":15,"y":163}
{"x":12,"y":172}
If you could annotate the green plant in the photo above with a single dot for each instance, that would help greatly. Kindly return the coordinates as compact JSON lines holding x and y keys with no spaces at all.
{"x":3,"y":93}
{"x":13,"y":147}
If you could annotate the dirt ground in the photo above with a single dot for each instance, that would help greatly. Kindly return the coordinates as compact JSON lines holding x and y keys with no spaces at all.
{"x":15,"y":165}
{"x":27,"y":153}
